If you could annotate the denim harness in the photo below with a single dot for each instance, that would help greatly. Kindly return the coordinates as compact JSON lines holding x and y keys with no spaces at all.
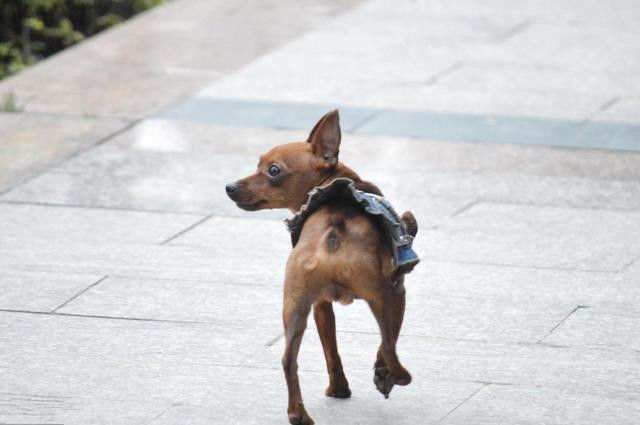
{"x":404,"y":257}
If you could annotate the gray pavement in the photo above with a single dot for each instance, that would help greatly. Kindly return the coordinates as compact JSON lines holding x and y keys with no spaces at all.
{"x":133,"y":292}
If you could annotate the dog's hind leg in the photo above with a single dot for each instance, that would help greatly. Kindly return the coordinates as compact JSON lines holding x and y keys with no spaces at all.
{"x":295,"y":312}
{"x":389,"y":313}
{"x":326,"y":324}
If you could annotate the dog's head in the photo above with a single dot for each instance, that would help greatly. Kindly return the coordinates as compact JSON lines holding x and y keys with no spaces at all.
{"x":287,"y":173}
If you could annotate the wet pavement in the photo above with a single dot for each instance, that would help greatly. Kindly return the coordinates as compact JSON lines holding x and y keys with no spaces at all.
{"x":132,"y":291}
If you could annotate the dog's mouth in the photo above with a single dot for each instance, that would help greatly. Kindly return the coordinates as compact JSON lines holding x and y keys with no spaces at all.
{"x":251,"y":206}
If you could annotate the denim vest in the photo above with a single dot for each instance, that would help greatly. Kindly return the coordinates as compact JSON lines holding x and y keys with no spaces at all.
{"x":404,"y":257}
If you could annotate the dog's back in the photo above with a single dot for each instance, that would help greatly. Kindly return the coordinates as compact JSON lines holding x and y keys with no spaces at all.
{"x":344,"y":253}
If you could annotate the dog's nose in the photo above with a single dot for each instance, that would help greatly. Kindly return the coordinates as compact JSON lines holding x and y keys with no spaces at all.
{"x":231,"y":187}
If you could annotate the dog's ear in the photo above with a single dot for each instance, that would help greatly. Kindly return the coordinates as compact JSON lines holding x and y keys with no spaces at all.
{"x":325,"y":138}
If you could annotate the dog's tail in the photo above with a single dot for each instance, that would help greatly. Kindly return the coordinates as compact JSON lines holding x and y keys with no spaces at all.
{"x":410,"y":222}
{"x":338,"y":226}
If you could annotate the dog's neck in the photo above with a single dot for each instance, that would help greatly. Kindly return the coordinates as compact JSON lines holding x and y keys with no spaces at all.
{"x":341,"y":170}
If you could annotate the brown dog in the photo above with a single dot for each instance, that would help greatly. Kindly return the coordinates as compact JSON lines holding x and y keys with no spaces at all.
{"x":341,"y":254}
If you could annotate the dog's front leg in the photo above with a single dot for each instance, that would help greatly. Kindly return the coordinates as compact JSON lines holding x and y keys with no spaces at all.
{"x":295,"y":312}
{"x":326,"y":324}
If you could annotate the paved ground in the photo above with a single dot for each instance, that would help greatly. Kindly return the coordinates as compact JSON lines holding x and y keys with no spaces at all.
{"x":133,"y":292}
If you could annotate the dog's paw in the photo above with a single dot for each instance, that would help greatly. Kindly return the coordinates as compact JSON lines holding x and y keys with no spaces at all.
{"x":300,"y":419}
{"x":338,"y":392}
{"x":338,"y":386}
{"x":403,"y":379}
{"x":382,"y":379}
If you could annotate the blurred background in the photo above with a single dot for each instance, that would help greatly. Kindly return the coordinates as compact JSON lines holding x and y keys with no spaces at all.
{"x":132,"y":291}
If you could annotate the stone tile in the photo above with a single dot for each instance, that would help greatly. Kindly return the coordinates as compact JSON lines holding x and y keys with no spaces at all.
{"x":633,"y":269}
{"x":520,"y":285}
{"x":537,"y":237}
{"x":161,"y":165}
{"x":453,"y":301}
{"x":40,"y":291}
{"x":221,"y":303}
{"x":373,"y":152}
{"x":525,"y":189}
{"x":258,"y":396}
{"x":115,"y":359}
{"x":29,"y":222}
{"x":53,"y":138}
{"x":493,"y":303}
{"x":588,"y":371}
{"x":586,"y":164}
{"x":160,"y":168}
{"x":472,"y":318}
{"x":496,"y":78}
{"x":495,"y":127}
{"x":269,"y":238}
{"x":165,"y":165}
{"x":132,"y":70}
{"x":623,"y":110}
{"x":589,"y":14}
{"x":591,"y":327}
{"x":506,"y":102}
{"x":142,"y":261}
{"x":520,"y":90}
{"x":503,"y":129}
{"x":361,"y":59}
{"x":76,"y":410}
{"x":260,"y":114}
{"x":495,"y":404}
{"x":363,"y":51}
{"x":337,"y":76}
{"x":583,"y":48}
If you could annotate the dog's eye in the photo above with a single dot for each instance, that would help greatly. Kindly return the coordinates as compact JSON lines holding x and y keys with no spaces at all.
{"x":273,"y":170}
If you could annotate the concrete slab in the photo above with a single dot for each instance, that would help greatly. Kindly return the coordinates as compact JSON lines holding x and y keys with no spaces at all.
{"x":480,"y":315}
{"x":465,"y":318}
{"x":260,"y":398}
{"x":586,"y":48}
{"x":541,"y":405}
{"x":519,"y":81}
{"x":172,"y":166}
{"x":76,"y":410}
{"x":184,"y":167}
{"x":225,"y":304}
{"x":115,"y":359}
{"x":591,"y":327}
{"x":493,"y":303}
{"x":451,"y":301}
{"x":579,"y":370}
{"x":487,"y":128}
{"x":140,"y":260}
{"x":261,"y":114}
{"x":53,"y":138}
{"x":40,"y":291}
{"x":362,"y":60}
{"x":22,"y":222}
{"x":151,"y":61}
{"x":161,"y":168}
{"x":363,"y":51}
{"x":537,"y":237}
{"x":622,"y":110}
{"x":528,"y":190}
{"x":503,"y":103}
